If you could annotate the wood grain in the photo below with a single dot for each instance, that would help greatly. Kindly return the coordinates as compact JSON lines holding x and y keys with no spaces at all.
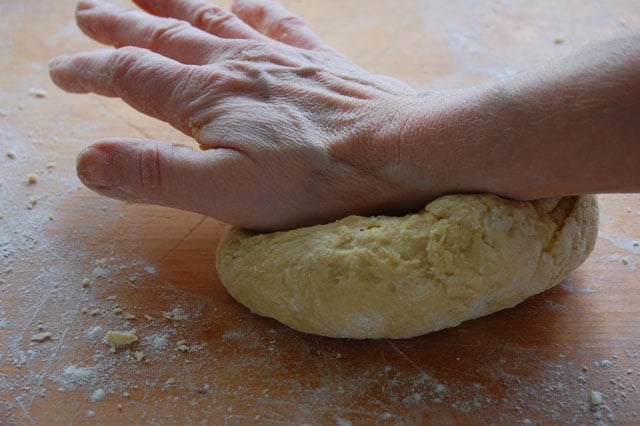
{"x":538,"y":362}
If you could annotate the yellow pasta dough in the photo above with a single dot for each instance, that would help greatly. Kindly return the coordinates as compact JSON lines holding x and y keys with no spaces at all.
{"x":461,"y":257}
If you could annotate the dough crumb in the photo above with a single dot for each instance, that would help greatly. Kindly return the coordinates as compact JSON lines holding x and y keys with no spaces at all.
{"x":117,"y":310}
{"x":120,"y":338}
{"x":86,"y":282}
{"x":170,"y":381}
{"x":98,"y":395}
{"x":181,"y":346}
{"x":32,"y":179}
{"x":32,"y":203}
{"x":177,"y":314}
{"x":596,"y":399}
{"x":11,"y":154}
{"x":129,"y":316}
{"x":37,"y":93}
{"x":41,"y":337}
{"x":139,"y":355}
{"x":94,"y":332}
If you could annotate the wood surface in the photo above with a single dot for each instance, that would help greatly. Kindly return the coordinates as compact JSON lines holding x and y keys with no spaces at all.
{"x":217,"y":363}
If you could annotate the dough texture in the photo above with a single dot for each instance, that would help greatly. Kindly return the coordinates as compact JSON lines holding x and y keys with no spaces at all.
{"x":462,"y":257}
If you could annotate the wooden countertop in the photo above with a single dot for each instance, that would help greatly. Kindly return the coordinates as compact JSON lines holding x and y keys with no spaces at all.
{"x":207,"y":359}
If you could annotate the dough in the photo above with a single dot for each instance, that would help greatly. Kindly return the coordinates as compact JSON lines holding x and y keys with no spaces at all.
{"x":462,"y":257}
{"x":120,"y":338}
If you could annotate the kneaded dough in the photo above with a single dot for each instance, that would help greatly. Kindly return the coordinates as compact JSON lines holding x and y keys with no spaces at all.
{"x":462,"y":257}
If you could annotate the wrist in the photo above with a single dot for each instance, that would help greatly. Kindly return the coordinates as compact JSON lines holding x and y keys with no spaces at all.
{"x":411,"y":149}
{"x":439,"y":143}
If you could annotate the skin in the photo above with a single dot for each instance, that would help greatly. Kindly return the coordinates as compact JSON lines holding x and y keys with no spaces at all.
{"x":293,"y":133}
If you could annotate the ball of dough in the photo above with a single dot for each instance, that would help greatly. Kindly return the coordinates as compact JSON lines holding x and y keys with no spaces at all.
{"x":462,"y":257}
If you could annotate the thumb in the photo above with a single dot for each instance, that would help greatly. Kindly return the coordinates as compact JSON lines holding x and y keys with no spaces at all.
{"x":158,"y":173}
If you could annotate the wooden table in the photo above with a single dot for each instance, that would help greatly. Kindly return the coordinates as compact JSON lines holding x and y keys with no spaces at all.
{"x":207,"y":359}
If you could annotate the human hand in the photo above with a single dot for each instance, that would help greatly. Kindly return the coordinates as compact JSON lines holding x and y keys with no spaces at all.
{"x":292,"y":132}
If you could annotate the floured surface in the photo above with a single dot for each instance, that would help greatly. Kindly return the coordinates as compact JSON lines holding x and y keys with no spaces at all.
{"x":206,"y":357}
{"x":459,"y":258}
{"x":526,"y":363}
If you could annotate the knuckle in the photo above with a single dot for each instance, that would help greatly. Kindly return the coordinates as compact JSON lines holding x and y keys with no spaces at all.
{"x":282,"y":26}
{"x":253,"y":51}
{"x":259,"y":52}
{"x":213,"y":19}
{"x":166,"y":32}
{"x":150,"y":170}
{"x":127,"y":53}
{"x":122,"y":63}
{"x":197,"y":96}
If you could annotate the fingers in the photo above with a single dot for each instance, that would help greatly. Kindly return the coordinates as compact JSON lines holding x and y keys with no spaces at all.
{"x":276,"y":22}
{"x":204,"y":15}
{"x":173,"y":38}
{"x":117,"y":26}
{"x":249,"y":19}
{"x":152,"y":84}
{"x":160,"y":173}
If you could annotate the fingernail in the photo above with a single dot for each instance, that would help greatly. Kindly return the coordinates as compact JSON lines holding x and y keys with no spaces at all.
{"x":87,"y":4}
{"x":58,"y":61}
{"x":95,"y":168}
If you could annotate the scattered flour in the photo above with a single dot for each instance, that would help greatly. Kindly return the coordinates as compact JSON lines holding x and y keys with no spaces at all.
{"x":158,"y":341}
{"x":343,"y":422}
{"x":74,"y":375}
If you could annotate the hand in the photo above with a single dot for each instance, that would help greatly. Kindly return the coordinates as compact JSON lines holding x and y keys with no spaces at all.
{"x":292,"y":132}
